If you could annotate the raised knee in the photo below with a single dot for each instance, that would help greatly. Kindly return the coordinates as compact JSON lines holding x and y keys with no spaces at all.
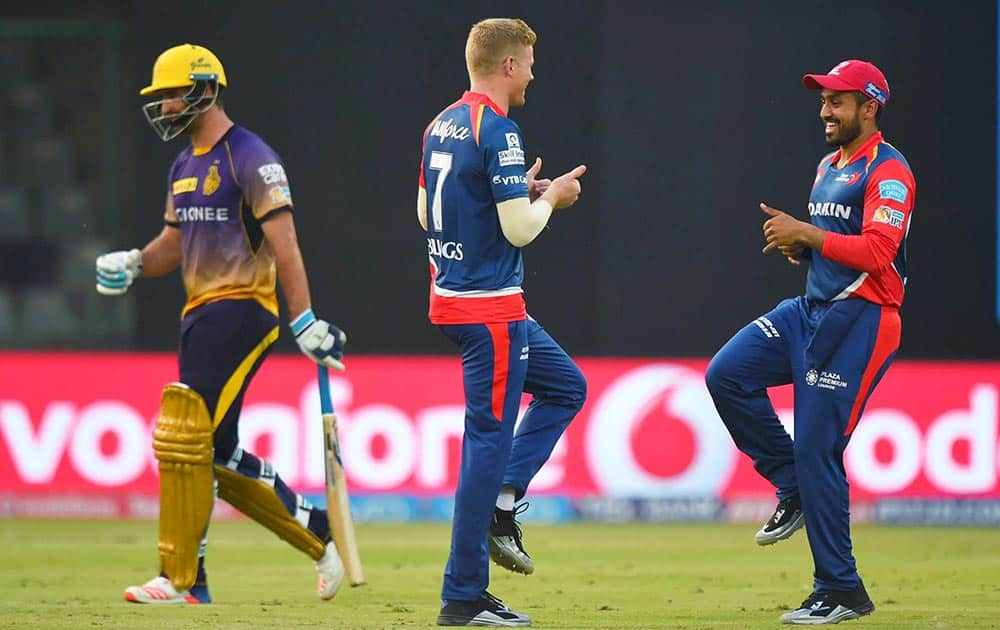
{"x":717,"y":374}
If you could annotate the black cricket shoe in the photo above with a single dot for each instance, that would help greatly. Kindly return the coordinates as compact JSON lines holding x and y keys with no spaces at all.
{"x":831,"y":607}
{"x":485,"y":611}
{"x":506,"y":548}
{"x":785,"y":521}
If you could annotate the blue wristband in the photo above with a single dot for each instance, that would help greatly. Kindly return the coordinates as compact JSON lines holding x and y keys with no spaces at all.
{"x":302,"y":322}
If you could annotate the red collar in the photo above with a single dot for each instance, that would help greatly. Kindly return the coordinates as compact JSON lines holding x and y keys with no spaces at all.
{"x":863,"y":150}
{"x":475,"y":98}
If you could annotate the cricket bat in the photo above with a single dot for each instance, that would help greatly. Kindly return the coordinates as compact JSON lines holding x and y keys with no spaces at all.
{"x":338,"y":504}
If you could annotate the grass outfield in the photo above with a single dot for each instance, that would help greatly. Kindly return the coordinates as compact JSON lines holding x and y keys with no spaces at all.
{"x":70,"y":574}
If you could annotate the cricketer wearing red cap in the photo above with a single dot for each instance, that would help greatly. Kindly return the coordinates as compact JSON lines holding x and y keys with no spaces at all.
{"x":852,"y":76}
{"x":834,"y":343}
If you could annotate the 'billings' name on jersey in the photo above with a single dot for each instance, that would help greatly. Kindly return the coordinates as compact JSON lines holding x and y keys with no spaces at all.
{"x":449,"y":250}
{"x":829,"y":209}
{"x":202,"y":213}
{"x":444,"y":129}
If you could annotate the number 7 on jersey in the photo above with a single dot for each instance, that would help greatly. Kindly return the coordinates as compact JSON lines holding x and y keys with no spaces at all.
{"x":440,"y":161}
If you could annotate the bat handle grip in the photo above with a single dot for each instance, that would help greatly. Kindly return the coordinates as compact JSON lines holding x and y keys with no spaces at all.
{"x":325,"y":403}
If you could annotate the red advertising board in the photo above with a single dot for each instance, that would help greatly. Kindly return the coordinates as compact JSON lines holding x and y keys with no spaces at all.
{"x":80,"y":424}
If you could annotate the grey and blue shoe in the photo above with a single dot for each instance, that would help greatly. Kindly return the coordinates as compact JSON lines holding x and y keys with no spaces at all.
{"x":487,"y":611}
{"x":786,"y":520}
{"x":506,"y":548}
{"x":831,"y":607}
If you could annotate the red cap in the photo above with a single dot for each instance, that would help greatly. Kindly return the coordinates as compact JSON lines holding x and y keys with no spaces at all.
{"x":852,"y":76}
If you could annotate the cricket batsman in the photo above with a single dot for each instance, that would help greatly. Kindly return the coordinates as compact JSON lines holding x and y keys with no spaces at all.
{"x":228,"y":224}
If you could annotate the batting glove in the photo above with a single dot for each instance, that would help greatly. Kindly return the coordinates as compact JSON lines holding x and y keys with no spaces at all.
{"x":117,"y":270}
{"x":319,"y":340}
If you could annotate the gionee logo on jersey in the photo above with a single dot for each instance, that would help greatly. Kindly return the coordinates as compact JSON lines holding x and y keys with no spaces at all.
{"x":829,"y":209}
{"x":200,"y":213}
{"x":449,"y":250}
{"x":445,"y":129}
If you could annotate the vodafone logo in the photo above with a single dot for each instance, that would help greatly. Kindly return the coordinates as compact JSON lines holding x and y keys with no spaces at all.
{"x":959,"y":452}
{"x":650,"y":430}
{"x":105,"y":443}
{"x":662,"y":389}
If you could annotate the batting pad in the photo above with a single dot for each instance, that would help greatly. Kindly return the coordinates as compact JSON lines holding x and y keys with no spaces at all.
{"x":260,"y":502}
{"x":182,"y":443}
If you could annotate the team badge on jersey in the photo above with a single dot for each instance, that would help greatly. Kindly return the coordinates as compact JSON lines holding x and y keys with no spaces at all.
{"x":212,"y":181}
{"x":848,"y":179}
{"x":890,"y":216}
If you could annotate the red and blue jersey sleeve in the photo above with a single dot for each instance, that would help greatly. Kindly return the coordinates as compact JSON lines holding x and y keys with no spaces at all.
{"x":878,"y":252}
{"x":889,"y":197}
{"x":503,"y":148}
{"x":472,"y":160}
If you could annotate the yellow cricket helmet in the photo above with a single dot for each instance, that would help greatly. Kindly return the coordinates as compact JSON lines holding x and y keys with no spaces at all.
{"x":183,"y":65}
{"x":187,"y":65}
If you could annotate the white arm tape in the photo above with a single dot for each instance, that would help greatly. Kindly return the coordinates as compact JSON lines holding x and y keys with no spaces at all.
{"x":521,"y":220}
{"x":422,"y":207}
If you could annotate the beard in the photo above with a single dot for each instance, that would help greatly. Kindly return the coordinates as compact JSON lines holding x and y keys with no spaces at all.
{"x":847,"y":132}
{"x":182,"y":121}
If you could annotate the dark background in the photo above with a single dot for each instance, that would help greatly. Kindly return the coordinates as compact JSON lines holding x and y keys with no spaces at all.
{"x":688,"y":114}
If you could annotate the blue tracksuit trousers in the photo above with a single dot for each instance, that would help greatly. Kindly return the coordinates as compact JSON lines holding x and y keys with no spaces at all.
{"x":834,"y":353}
{"x":499,"y":362}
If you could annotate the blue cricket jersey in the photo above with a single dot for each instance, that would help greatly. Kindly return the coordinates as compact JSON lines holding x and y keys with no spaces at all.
{"x":866,"y":206}
{"x":473,"y":159}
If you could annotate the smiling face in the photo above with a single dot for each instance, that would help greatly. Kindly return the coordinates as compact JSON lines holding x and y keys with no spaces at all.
{"x":847,"y":116}
{"x":842,"y":114}
{"x":519,"y":67}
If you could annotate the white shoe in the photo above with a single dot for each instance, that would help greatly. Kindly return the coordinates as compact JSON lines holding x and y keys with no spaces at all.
{"x":331,"y":572}
{"x":159,"y":590}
